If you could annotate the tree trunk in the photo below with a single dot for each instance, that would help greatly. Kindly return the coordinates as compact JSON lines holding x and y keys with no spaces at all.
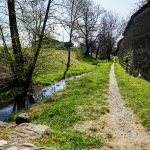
{"x":87,"y":48}
{"x":68,"y":63}
{"x":108,"y":54}
{"x":24,"y":79}
{"x":31,"y":68}
{"x":69,"y":54}
{"x":91,"y":52}
{"x":16,"y":45}
{"x":19,"y":60}
{"x":19,"y":101}
{"x":70,"y":40}
{"x":97,"y":52}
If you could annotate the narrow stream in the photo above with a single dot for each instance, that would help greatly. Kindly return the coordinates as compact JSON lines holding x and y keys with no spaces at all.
{"x":45,"y":92}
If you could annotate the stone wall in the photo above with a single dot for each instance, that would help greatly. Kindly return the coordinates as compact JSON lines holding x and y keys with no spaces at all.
{"x":136,"y":43}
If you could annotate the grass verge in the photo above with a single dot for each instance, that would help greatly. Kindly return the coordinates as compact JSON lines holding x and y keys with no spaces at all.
{"x":136,"y":93}
{"x":76,"y":114}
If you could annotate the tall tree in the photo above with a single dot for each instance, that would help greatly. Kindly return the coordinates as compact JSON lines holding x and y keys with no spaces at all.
{"x":73,"y":12}
{"x":87,"y":24}
{"x":109,"y":32}
{"x":22,"y":74}
{"x":16,"y":45}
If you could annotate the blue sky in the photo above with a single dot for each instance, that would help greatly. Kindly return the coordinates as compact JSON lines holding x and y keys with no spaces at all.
{"x":122,"y":7}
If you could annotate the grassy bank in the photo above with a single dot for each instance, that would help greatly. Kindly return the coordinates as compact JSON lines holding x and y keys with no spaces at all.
{"x":136,"y":93}
{"x":76,"y":114}
{"x":52,"y":63}
{"x":50,"y":67}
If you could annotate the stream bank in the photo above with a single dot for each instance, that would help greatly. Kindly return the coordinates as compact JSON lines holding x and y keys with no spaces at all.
{"x":38,"y":96}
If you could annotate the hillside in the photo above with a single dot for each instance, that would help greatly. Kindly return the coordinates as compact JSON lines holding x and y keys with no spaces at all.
{"x":52,"y":63}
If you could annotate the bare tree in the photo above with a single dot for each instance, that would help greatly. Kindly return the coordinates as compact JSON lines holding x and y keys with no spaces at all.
{"x":141,"y":3}
{"x":16,"y":45}
{"x":87,"y":24}
{"x":30,"y":15}
{"x":73,"y":11}
{"x":109,"y":32}
{"x":23,"y":74}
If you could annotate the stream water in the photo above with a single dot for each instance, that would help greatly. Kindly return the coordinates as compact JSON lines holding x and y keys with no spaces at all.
{"x":45,"y":92}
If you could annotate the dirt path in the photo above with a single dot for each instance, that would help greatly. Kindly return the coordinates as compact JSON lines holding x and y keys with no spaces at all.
{"x":126,"y":134}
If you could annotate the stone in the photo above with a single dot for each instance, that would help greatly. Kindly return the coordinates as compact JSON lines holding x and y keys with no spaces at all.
{"x":23,"y":118}
{"x":19,"y":137}
{"x":12,"y":148}
{"x":5,"y":125}
{"x":42,"y":148}
{"x":28,"y":131}
{"x":3,"y":143}
{"x":28,"y":145}
{"x":13,"y":144}
{"x":136,"y":44}
{"x":27,"y":148}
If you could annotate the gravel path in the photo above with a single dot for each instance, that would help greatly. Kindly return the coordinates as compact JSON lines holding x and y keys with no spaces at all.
{"x":127,"y":135}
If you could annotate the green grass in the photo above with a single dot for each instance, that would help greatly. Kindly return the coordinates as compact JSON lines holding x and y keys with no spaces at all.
{"x":52,"y":63}
{"x":136,"y":93}
{"x":82,"y":100}
{"x":50,"y":67}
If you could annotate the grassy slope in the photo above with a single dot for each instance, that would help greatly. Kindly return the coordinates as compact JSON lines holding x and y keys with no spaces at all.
{"x":51,"y":65}
{"x":81,"y":101}
{"x":136,"y":93}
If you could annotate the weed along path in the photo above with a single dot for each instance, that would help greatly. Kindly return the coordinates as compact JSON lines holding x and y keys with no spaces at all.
{"x":127,"y":135}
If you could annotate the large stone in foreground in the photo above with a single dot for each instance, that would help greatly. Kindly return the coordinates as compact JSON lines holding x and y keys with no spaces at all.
{"x":4,"y":125}
{"x":20,"y":135}
{"x":26,"y":146}
{"x":28,"y":131}
{"x":3,"y":143}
